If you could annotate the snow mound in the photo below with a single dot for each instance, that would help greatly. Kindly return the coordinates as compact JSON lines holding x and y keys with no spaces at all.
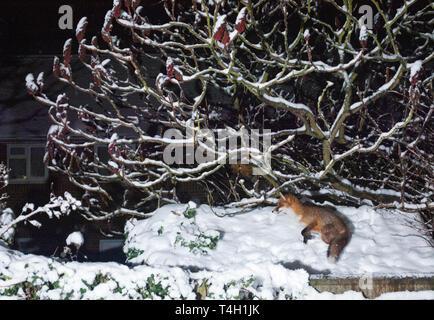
{"x":76,"y":238}
{"x":50,"y":279}
{"x":6,"y":217}
{"x":382,"y":244}
{"x":192,"y":253}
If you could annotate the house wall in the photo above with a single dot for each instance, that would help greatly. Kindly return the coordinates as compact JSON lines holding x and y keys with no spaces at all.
{"x":20,"y":194}
{"x":38,"y":193}
{"x":3,"y":153}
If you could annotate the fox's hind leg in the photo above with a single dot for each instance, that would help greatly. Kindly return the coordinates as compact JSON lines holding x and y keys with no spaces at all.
{"x":328,"y":232}
{"x":306,"y":232}
{"x":336,"y":246}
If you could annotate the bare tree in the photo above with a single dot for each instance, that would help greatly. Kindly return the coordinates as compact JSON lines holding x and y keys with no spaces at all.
{"x":349,"y":108}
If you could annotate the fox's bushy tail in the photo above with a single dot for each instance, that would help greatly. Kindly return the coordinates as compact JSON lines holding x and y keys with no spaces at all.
{"x":336,"y":246}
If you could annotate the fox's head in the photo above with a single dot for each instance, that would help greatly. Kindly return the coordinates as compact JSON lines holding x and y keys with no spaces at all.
{"x":286,"y":201}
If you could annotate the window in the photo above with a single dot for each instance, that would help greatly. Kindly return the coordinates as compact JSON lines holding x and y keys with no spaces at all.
{"x":26,"y":163}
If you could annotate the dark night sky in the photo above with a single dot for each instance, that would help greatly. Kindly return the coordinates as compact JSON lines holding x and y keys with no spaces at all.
{"x":31,"y":26}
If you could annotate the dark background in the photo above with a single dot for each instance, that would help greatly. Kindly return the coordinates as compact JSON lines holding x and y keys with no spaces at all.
{"x":30,"y":27}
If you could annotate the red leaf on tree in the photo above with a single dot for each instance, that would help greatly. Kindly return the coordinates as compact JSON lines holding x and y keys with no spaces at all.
{"x":81,"y":51}
{"x":112,"y":148}
{"x":107,"y":27}
{"x":95,"y":41}
{"x":64,"y":72}
{"x":225,"y":38}
{"x":40,"y":81}
{"x":31,"y":86}
{"x":169,"y":67}
{"x":96,"y":79}
{"x":105,"y":37}
{"x":67,"y":52}
{"x":95,"y":44}
{"x":81,"y":29}
{"x":117,"y":5}
{"x":56,"y":67}
{"x":306,"y":35}
{"x":220,"y":28}
{"x":178,"y":75}
{"x":415,"y":78}
{"x":136,"y":3}
{"x":240,"y":23}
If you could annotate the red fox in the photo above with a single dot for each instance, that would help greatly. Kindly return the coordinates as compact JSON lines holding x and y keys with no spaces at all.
{"x":332,"y":228}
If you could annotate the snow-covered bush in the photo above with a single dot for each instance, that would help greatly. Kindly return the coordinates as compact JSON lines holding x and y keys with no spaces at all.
{"x":349,"y":108}
{"x":6,"y":218}
{"x":178,"y":231}
{"x":36,"y":277}
{"x":6,"y":214}
{"x":57,"y":207}
{"x":259,"y":255}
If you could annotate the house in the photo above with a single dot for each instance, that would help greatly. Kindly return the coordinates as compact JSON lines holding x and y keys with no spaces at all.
{"x":24,"y":124}
{"x":31,"y":39}
{"x":23,"y":129}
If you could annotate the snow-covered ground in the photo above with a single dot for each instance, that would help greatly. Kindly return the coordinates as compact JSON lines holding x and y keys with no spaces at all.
{"x":187,"y":252}
{"x":382,"y":242}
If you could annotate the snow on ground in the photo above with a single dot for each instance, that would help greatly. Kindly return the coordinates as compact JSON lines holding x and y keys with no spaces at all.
{"x":50,"y":279}
{"x":75,"y":238}
{"x":6,"y":217}
{"x":189,"y":252}
{"x":382,"y":243}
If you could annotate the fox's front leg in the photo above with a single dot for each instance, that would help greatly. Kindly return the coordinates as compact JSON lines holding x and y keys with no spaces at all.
{"x":306,"y":232}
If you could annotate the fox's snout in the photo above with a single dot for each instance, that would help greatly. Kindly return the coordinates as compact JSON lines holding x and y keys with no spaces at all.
{"x":278,"y":206}
{"x":283,"y":202}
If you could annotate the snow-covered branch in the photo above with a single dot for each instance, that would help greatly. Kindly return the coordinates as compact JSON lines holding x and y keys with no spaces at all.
{"x":56,"y":207}
{"x":341,"y":102}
